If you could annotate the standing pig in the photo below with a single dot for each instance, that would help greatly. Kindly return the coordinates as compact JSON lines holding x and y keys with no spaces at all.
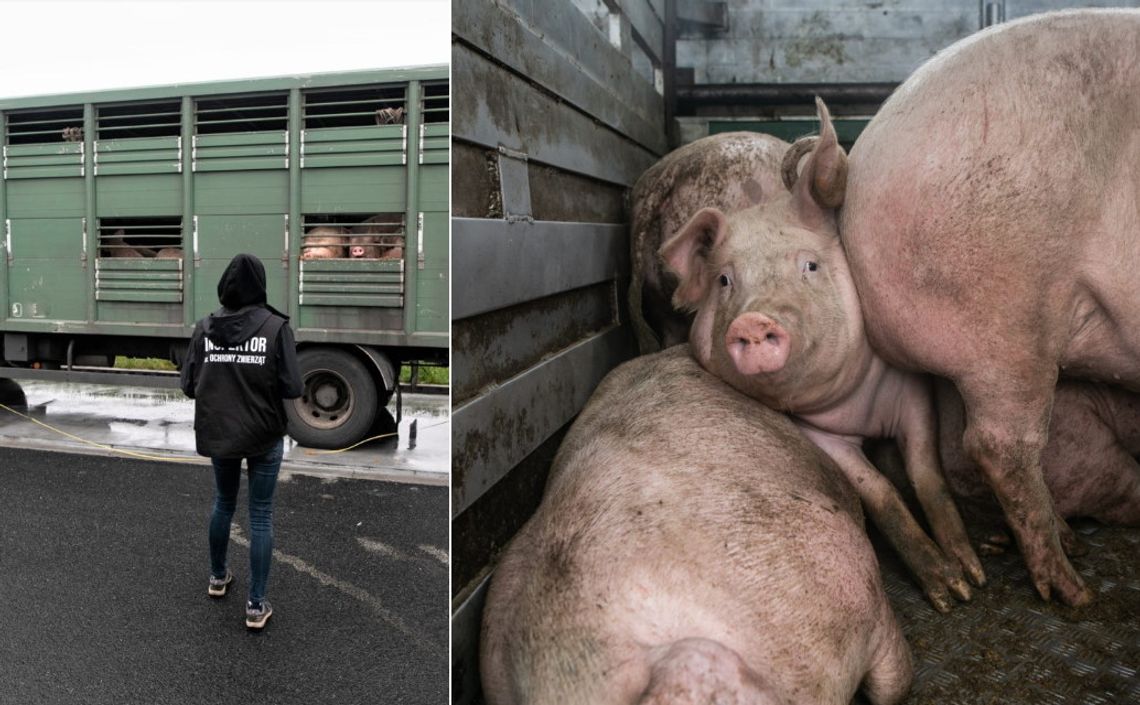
{"x":324,"y":242}
{"x":1089,"y":462}
{"x":993,"y":234}
{"x":719,"y":560}
{"x":729,"y":171}
{"x":777,"y":317}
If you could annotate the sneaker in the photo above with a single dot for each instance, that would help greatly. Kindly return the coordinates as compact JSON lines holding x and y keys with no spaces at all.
{"x":218,"y":586}
{"x":256,"y":617}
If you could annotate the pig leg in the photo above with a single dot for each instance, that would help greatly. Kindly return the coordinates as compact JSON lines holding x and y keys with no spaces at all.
{"x":918,"y":441}
{"x":701,"y":671}
{"x":1006,"y":429}
{"x":938,"y":576}
{"x":892,"y":670}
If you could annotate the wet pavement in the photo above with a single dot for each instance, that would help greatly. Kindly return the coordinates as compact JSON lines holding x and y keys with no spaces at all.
{"x":103,"y":572}
{"x":157,"y":423}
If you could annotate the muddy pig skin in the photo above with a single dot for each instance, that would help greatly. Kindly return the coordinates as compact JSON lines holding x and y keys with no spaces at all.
{"x":383,"y":240}
{"x":777,"y":317}
{"x":1089,"y":463}
{"x":324,"y":243}
{"x":691,"y":547}
{"x":993,"y":233}
{"x":729,"y":171}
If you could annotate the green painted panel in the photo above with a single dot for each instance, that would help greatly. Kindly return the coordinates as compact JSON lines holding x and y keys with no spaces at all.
{"x":38,"y":150}
{"x":238,"y":193}
{"x":60,"y":198}
{"x":435,"y":143}
{"x":340,"y":319}
{"x":340,"y":134}
{"x":432,"y":312}
{"x":46,"y":278}
{"x":240,"y":152}
{"x":43,"y":161}
{"x":352,"y":190}
{"x":434,"y":188}
{"x":137,"y":312}
{"x":220,"y":237}
{"x":140,"y":155}
{"x":348,"y":282}
{"x":152,"y":194}
{"x":348,"y":300}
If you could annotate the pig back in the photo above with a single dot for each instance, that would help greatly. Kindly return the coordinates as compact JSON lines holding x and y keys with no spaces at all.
{"x":677,"y":508}
{"x":729,"y":171}
{"x":985,"y":197}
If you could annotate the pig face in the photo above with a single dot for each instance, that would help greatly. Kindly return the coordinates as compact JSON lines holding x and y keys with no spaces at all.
{"x":777,"y":315}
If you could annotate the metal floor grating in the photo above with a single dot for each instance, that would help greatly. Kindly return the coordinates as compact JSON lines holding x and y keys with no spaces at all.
{"x":1009,"y":647}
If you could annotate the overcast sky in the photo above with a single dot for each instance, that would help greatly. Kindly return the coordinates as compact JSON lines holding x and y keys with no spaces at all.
{"x":62,"y":46}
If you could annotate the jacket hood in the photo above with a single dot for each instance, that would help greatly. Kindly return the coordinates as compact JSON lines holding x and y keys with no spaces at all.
{"x":241,"y":291}
{"x":243,"y":283}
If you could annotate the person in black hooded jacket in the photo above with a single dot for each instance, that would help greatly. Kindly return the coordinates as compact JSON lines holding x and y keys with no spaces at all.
{"x":239,"y":367}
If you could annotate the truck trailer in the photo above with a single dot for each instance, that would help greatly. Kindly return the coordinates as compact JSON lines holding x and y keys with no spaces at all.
{"x":121,"y":209}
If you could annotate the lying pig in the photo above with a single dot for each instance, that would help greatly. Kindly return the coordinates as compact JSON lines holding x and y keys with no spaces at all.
{"x":777,"y":317}
{"x":324,"y":242}
{"x":730,"y":171}
{"x":718,"y":560}
{"x":169,"y":253}
{"x":993,"y":236}
{"x":1089,"y":462}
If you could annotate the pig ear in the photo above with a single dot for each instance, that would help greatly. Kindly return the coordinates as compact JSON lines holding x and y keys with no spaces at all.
{"x":823,"y":182}
{"x":686,"y":255}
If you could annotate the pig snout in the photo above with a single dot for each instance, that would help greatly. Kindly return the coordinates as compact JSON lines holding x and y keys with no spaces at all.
{"x":356,"y":251}
{"x":757,"y":344}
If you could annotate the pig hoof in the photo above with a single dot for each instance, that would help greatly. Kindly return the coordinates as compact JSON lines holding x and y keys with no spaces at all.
{"x":972,"y":567}
{"x":998,"y":539}
{"x":940,"y":600}
{"x":961,"y":589}
{"x":989,"y":549}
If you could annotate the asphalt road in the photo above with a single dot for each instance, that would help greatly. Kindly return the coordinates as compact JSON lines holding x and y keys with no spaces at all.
{"x":103,"y":571}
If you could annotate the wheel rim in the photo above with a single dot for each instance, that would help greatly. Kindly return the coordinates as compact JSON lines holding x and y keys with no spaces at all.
{"x":327,"y":400}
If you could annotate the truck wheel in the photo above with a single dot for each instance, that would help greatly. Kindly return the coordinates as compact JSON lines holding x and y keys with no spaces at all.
{"x":12,"y":394}
{"x":338,"y":403}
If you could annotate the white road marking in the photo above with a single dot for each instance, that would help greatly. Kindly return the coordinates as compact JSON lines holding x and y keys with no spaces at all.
{"x":382,"y":548}
{"x":436,"y":553}
{"x":347,"y":588}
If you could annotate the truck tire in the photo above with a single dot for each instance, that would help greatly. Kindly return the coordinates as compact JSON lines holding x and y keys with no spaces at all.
{"x":12,"y":394}
{"x":339,"y":401}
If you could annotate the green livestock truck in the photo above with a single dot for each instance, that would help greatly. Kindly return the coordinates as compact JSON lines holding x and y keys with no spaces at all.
{"x":121,"y":209}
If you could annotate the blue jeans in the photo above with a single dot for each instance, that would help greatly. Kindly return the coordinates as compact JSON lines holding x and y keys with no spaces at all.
{"x":262,"y":481}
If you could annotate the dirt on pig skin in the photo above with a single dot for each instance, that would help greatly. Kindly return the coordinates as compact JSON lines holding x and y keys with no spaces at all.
{"x":987,"y":226}
{"x":652,"y":558}
{"x":730,"y":171}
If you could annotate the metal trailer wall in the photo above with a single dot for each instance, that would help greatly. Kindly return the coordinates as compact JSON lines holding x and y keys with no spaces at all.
{"x":216,"y":169}
{"x":825,"y":41}
{"x":757,"y":64}
{"x":558,"y":110}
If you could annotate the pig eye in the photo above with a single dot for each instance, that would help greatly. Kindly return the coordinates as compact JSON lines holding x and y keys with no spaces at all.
{"x":724,"y":280}
{"x":809,"y":266}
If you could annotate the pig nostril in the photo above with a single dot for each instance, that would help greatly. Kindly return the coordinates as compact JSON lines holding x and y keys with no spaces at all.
{"x":772,"y":338}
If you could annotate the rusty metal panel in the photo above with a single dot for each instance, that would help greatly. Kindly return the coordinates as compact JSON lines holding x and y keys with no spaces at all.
{"x":648,"y":25}
{"x":492,"y":433}
{"x":465,"y":624}
{"x":506,"y":263}
{"x":554,"y":45}
{"x":501,"y":344}
{"x":500,"y":109}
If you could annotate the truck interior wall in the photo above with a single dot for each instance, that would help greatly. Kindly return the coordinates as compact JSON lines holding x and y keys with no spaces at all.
{"x":558,"y":112}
